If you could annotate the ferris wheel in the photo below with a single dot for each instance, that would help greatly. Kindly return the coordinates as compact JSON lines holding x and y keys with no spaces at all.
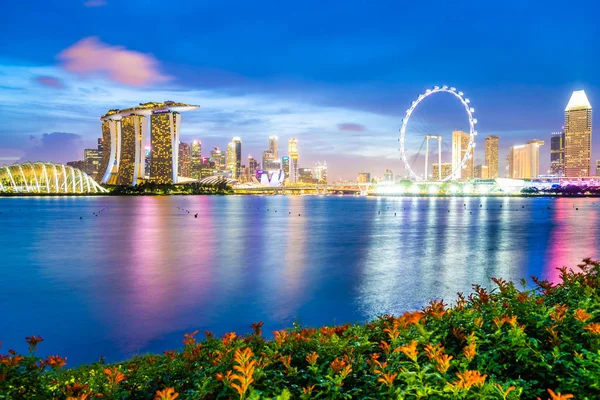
{"x":472,"y":133}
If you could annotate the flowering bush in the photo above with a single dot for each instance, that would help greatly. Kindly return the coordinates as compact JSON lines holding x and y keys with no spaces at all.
{"x":501,"y":344}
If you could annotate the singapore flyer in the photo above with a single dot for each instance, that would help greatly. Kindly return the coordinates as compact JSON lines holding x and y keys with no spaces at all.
{"x":463,"y":142}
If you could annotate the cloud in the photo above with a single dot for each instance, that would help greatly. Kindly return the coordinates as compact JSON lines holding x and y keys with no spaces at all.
{"x":351,"y":127}
{"x":50,"y":82}
{"x":90,"y":56}
{"x":55,"y":147}
{"x":95,"y":3}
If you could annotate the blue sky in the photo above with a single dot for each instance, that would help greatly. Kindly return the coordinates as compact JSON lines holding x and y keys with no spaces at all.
{"x":336,"y":75}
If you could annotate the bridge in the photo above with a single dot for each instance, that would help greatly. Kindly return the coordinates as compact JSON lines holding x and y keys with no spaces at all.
{"x":354,"y":188}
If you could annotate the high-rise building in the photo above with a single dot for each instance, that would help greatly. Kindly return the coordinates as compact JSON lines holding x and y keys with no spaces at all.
{"x":508,"y":172}
{"x":578,"y":135}
{"x":557,"y":153}
{"x":234,"y":157}
{"x":185,"y":160}
{"x":320,"y":172}
{"x":285,"y":166}
{"x":124,"y":140}
{"x":491,"y":156}
{"x":305,"y":175}
{"x":273,"y":147}
{"x":364,"y":177}
{"x":251,"y":168}
{"x":217,"y":157}
{"x":597,"y":167}
{"x":196,"y":159}
{"x":525,"y":160}
{"x":388,"y":176}
{"x":446,"y":170}
{"x":482,"y":172}
{"x":91,"y":159}
{"x":293,"y":154}
{"x":460,"y":148}
{"x":269,"y":163}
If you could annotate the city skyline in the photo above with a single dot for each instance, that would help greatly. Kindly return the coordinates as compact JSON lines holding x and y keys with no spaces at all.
{"x":345,"y":107}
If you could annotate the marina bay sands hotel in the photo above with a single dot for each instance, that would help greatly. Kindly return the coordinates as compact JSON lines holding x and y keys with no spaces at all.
{"x":124,"y":135}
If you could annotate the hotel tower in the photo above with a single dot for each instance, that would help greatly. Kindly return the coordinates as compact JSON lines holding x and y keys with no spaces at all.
{"x":124,"y":133}
{"x":578,"y":136}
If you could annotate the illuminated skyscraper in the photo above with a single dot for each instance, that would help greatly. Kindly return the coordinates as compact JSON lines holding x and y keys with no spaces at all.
{"x":91,"y":160}
{"x":196,"y":160}
{"x":217,"y":157}
{"x":320,"y":172}
{"x":293,"y":154}
{"x":364,"y":177}
{"x":491,"y":156}
{"x":524,"y":160}
{"x":185,"y":160}
{"x":460,"y":147}
{"x":124,"y":140}
{"x":446,"y":170}
{"x":557,"y":153}
{"x":234,"y":157}
{"x":305,"y":175}
{"x":578,"y":135}
{"x":273,"y":146}
{"x":285,"y":166}
{"x":251,"y":168}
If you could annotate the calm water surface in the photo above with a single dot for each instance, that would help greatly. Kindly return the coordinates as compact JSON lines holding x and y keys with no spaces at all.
{"x":143,"y":272}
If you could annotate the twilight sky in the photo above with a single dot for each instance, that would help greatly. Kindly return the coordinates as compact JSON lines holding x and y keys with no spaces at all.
{"x":337,"y":75}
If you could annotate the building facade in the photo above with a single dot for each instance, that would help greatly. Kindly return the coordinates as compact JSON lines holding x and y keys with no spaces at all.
{"x":273,"y":147}
{"x":446,"y":170}
{"x":217,"y":158}
{"x":491,"y":156}
{"x":388,"y":175}
{"x":578,"y":136}
{"x":234,"y":157}
{"x":557,"y":153}
{"x":320,"y":172}
{"x":285,"y":166}
{"x":364,"y":177}
{"x":293,"y":154}
{"x":195,"y":159}
{"x":185,"y":160}
{"x":460,"y":149}
{"x":482,"y":172}
{"x":524,"y":160}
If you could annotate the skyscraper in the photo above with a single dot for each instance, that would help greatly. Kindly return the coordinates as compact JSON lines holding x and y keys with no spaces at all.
{"x":185,"y":160}
{"x":578,"y":135}
{"x":460,"y":148}
{"x":364,"y":177}
{"x":218,"y":159}
{"x":234,"y":157}
{"x":285,"y":166}
{"x":273,"y":146}
{"x":320,"y":172}
{"x":293,"y":154}
{"x":196,"y":160}
{"x":557,"y":153}
{"x":91,"y":159}
{"x":491,"y":156}
{"x":446,"y":170}
{"x":482,"y":172}
{"x":388,"y":176}
{"x":131,"y":163}
{"x":524,"y":160}
{"x":252,"y":167}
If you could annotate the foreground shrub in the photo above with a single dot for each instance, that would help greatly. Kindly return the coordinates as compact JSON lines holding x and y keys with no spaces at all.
{"x":501,"y":344}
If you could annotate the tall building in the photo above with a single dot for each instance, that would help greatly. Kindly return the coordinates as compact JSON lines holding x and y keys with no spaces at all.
{"x":196,"y":159}
{"x":557,"y":153}
{"x":293,"y":154}
{"x":185,"y":160}
{"x":482,"y":172}
{"x":269,"y":162}
{"x":364,"y":177}
{"x":91,"y":160}
{"x":446,"y":170}
{"x":578,"y":135}
{"x":508,"y":172}
{"x":217,"y":157}
{"x":124,"y":135}
{"x":285,"y":166}
{"x":460,"y":148}
{"x":388,"y":176}
{"x":305,"y":175}
{"x":597,"y":167}
{"x":525,"y":160}
{"x":251,"y":168}
{"x":491,"y":156}
{"x":320,"y":172}
{"x":234,"y":157}
{"x":273,"y":147}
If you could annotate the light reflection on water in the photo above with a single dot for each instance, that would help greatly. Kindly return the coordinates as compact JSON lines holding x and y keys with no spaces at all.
{"x":144,"y":272}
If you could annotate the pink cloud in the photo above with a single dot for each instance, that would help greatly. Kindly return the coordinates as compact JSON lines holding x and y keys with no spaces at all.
{"x":348,"y":126}
{"x":50,"y":81}
{"x":95,"y":3}
{"x":90,"y":56}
